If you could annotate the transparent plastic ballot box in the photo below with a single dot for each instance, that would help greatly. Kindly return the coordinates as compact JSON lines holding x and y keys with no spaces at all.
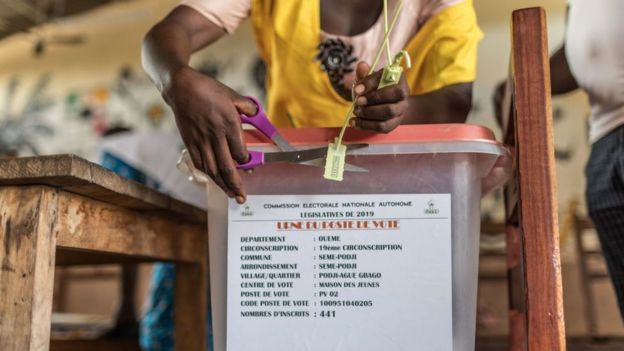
{"x":462,"y":160}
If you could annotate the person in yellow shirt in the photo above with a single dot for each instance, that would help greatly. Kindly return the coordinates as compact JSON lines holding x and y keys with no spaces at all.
{"x":317,"y":54}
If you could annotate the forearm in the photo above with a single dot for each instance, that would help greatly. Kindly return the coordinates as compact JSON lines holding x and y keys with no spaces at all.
{"x":450,"y":104}
{"x":168,"y":46}
{"x":561,"y":79}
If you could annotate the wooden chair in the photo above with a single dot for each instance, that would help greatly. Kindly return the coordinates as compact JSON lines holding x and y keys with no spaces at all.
{"x":535,"y":292}
{"x":588,"y":274}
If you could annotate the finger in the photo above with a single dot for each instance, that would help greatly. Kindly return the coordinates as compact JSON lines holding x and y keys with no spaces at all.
{"x":378,"y":126}
{"x":236,"y":142}
{"x":361,"y":70}
{"x":203,"y":158}
{"x":390,"y":94}
{"x":212,"y":170}
{"x":381,"y":112}
{"x":368,"y":83}
{"x":190,"y":142}
{"x":227,"y":169}
{"x":194,"y":147}
{"x":245,"y":106}
{"x":196,"y":157}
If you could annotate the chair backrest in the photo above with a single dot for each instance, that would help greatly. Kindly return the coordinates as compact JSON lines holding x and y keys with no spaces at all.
{"x":536,"y":303}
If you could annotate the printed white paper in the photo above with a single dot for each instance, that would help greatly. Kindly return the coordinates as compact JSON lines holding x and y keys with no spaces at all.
{"x":340,"y":273}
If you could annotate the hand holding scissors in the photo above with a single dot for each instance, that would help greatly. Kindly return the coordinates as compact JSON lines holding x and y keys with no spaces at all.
{"x":310,"y":157}
{"x":288,"y":153}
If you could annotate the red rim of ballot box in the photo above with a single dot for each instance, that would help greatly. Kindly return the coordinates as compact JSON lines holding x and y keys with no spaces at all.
{"x":422,"y":133}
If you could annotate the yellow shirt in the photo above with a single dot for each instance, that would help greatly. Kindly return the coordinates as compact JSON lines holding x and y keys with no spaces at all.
{"x":300,"y":94}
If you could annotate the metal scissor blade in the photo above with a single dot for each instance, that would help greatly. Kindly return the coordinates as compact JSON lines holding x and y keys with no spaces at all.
{"x":299,"y":156}
{"x":282,"y":143}
{"x":295,"y":156}
{"x":320,"y":162}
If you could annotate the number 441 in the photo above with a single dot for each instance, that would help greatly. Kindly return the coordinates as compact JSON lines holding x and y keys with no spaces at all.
{"x":330,"y":314}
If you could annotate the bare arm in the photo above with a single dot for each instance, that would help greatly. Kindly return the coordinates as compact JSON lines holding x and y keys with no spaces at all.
{"x":169,"y":44}
{"x":383,"y":110}
{"x":561,"y":79}
{"x":450,"y":104}
{"x":206,"y":111}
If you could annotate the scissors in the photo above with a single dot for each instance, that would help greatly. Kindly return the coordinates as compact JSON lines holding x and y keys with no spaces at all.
{"x":311,"y":157}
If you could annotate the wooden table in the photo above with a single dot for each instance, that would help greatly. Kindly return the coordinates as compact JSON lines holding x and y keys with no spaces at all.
{"x":63,"y":210}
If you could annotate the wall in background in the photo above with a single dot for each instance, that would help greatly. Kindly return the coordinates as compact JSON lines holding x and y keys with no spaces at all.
{"x":77,"y":91}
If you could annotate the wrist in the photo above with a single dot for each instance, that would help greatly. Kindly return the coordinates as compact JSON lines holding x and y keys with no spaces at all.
{"x":174,"y":80}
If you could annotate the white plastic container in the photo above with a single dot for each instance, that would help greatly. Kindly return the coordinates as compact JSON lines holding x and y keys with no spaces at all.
{"x":462,"y":160}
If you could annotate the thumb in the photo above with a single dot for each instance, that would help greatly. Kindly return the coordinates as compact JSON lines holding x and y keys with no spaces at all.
{"x":361,"y":70}
{"x":245,"y":106}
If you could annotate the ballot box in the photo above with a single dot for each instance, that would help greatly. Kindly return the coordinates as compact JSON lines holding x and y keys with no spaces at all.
{"x":385,"y":260}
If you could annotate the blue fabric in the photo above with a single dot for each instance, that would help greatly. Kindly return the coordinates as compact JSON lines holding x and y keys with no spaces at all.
{"x":157,"y":323}
{"x":125,"y":170}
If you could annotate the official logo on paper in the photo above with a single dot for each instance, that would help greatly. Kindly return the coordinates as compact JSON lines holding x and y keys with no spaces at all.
{"x":431,"y":208}
{"x":247,"y":212}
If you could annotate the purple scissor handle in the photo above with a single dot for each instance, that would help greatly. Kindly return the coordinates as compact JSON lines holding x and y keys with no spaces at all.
{"x":288,"y":153}
{"x":260,"y":121}
{"x":256,"y":159}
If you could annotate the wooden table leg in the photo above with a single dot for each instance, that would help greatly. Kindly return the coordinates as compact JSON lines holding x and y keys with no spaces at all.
{"x":191,"y":295}
{"x":28,"y":239}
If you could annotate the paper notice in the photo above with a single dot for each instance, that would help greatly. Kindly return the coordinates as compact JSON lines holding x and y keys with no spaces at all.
{"x":340,"y":272}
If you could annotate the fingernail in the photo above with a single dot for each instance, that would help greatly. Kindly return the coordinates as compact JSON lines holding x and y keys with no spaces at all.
{"x":240,"y":199}
{"x":359,"y":89}
{"x":254,"y":108}
{"x":361,"y":101}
